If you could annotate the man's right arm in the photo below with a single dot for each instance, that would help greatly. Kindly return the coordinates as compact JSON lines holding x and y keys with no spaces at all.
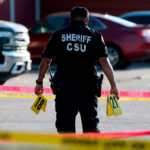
{"x":108,"y":70}
{"x":44,"y":65}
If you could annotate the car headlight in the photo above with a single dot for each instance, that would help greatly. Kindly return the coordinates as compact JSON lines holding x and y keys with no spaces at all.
{"x":5,"y":34}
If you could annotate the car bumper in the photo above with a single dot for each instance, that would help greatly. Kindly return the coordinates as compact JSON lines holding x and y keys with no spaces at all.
{"x":15,"y":62}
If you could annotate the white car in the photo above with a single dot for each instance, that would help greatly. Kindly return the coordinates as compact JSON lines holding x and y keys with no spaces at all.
{"x":138,"y":17}
{"x":14,"y":56}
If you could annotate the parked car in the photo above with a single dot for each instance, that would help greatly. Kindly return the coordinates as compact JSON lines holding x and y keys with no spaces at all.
{"x":14,"y":57}
{"x":126,"y":41}
{"x":139,"y":17}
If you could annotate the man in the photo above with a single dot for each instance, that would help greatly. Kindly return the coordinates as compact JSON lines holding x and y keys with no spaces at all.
{"x":76,"y":49}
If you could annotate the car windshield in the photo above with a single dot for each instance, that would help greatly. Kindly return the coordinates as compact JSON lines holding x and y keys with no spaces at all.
{"x":120,"y":21}
{"x":141,"y":19}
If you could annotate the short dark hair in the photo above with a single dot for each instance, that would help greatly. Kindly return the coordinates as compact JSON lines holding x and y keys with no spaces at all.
{"x":79,"y":11}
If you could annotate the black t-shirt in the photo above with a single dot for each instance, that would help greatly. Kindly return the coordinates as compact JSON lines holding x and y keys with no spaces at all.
{"x":76,"y":49}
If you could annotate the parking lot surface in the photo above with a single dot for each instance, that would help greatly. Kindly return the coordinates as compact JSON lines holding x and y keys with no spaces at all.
{"x":17,"y":115}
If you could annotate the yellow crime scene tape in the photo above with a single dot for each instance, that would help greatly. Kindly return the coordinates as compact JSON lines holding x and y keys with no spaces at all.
{"x":67,"y":142}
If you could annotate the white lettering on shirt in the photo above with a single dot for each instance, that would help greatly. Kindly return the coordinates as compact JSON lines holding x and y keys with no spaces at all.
{"x":76,"y":42}
{"x":69,"y":47}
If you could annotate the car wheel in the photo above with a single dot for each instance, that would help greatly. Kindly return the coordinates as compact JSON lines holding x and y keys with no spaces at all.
{"x":116,"y":58}
{"x":2,"y":82}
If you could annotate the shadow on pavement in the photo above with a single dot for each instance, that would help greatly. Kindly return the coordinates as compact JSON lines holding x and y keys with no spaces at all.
{"x":138,"y":65}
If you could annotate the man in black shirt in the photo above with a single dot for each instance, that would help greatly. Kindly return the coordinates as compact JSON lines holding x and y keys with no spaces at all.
{"x":76,"y":49}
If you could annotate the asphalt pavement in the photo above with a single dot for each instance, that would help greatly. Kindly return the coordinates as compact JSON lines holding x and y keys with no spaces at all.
{"x":17,"y":115}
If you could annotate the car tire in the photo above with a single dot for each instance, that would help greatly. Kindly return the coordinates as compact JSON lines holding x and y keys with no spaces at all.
{"x":2,"y":82}
{"x":116,"y":57}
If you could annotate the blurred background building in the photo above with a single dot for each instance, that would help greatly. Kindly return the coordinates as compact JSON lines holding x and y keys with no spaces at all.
{"x":27,"y":12}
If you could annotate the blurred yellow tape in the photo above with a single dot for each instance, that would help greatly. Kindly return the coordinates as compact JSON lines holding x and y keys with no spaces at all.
{"x":74,"y":142}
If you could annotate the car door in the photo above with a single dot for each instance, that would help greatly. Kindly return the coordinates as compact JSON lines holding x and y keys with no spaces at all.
{"x":41,"y":32}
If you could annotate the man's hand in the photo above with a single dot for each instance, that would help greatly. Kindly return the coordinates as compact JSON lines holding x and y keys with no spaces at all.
{"x":115,"y":91}
{"x":39,"y":89}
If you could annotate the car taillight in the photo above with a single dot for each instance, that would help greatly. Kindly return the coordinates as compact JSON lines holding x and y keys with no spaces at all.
{"x":144,"y":32}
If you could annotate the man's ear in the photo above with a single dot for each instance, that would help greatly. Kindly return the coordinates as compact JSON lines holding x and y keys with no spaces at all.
{"x":87,"y":21}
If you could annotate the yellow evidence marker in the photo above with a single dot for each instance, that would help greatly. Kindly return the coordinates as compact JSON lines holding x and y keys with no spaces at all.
{"x":40,"y":103}
{"x":113,"y":107}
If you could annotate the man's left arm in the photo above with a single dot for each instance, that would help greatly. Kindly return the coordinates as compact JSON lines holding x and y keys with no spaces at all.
{"x":108,"y":70}
{"x":102,"y":52}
